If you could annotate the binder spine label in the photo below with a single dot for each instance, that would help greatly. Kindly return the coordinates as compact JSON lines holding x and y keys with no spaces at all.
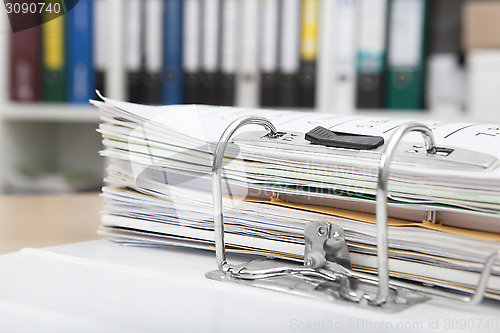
{"x":54,"y":62}
{"x":191,"y":50}
{"x":309,"y":33}
{"x":269,"y":36}
{"x":210,"y":35}
{"x":79,"y":53}
{"x":172,"y":52}
{"x":247,"y":85}
{"x":53,"y":44}
{"x":406,"y":32}
{"x":371,"y":48}
{"x":191,"y":36}
{"x":229,"y":36}
{"x":133,"y":33}
{"x":290,"y":37}
{"x":153,"y":40}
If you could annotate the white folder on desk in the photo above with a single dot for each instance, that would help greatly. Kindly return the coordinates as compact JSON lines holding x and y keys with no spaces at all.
{"x":98,"y":286}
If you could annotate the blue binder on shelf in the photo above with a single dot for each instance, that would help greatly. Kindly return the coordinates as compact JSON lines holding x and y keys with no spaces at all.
{"x":172,"y":53}
{"x":80,"y":67}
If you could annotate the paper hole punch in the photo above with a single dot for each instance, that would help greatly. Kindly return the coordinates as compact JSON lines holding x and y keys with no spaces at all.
{"x":326,"y":272}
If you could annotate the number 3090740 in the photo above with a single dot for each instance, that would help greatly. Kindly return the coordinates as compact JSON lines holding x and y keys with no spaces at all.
{"x":32,"y":7}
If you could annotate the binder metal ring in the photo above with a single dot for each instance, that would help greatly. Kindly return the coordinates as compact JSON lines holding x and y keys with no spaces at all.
{"x":382,"y":229}
{"x":381,"y":200}
{"x":220,"y":246}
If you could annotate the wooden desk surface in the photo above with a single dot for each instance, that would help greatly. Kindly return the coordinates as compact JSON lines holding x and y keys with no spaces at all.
{"x":38,"y":221}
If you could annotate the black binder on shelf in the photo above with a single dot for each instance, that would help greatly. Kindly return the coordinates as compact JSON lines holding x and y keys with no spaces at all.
{"x":370,"y":91}
{"x":151,"y":87}
{"x":192,"y":88}
{"x":208,"y":88}
{"x":100,"y":82}
{"x":226,"y":89}
{"x":445,"y":23}
{"x":269,"y":89}
{"x":288,"y":90}
{"x":307,"y":84}
{"x":135,"y":86}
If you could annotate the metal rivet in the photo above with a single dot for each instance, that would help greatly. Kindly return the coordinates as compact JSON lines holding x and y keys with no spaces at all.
{"x":309,"y":262}
{"x":322,"y":231}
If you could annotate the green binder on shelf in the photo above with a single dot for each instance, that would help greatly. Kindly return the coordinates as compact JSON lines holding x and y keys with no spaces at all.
{"x":405,"y":68}
{"x":54,"y":62}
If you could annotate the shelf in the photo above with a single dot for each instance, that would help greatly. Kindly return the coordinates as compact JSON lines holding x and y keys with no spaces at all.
{"x":455,"y":116}
{"x":49,"y":112}
{"x":423,"y":115}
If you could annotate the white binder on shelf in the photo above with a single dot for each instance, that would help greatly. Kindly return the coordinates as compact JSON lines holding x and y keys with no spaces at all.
{"x":133,"y":49}
{"x":289,"y":54}
{"x":336,"y":81}
{"x":153,"y":51}
{"x":229,"y":52}
{"x":344,"y":85}
{"x":100,"y":42}
{"x":268,"y":52}
{"x":247,"y":77}
{"x":191,"y":50}
{"x":210,"y":52}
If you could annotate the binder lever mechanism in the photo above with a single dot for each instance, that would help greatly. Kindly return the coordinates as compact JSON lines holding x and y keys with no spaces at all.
{"x":326,"y":272}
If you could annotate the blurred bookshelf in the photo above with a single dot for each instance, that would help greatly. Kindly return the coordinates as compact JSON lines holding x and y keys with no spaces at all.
{"x":61,"y":137}
{"x":45,"y":147}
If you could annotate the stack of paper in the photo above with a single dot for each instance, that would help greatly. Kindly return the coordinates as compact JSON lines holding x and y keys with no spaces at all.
{"x":159,"y":190}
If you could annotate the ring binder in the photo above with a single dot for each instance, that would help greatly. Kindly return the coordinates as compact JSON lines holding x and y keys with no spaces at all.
{"x":326,"y":273}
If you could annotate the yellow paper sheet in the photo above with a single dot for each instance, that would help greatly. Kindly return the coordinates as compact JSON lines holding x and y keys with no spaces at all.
{"x":370,"y":218}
